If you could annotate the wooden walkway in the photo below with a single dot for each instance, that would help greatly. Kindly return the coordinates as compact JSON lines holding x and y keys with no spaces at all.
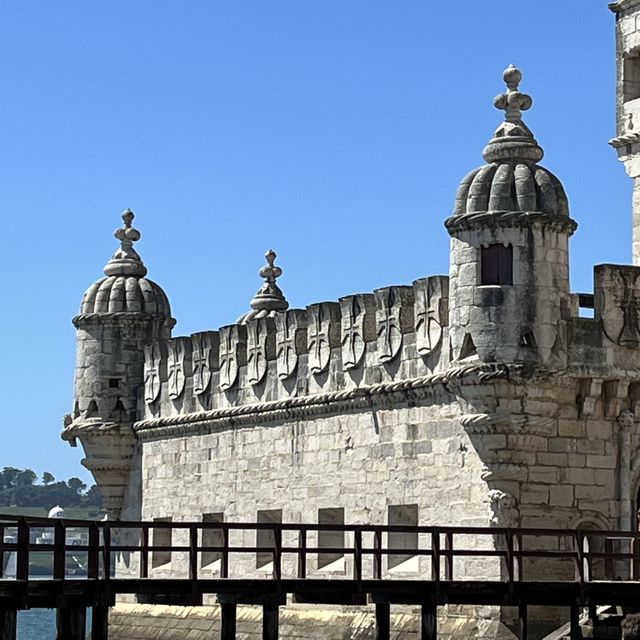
{"x":182,"y":562}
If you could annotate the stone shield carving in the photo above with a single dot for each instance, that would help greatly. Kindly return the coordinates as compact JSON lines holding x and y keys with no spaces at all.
{"x":322,"y":334}
{"x":358,"y":327}
{"x":290,"y":341}
{"x":260,"y":333}
{"x":394,"y":317}
{"x":152,"y":380}
{"x":176,"y":368}
{"x":205,"y":353}
{"x":232,"y":354}
{"x":620,"y":309}
{"x":431,"y":311}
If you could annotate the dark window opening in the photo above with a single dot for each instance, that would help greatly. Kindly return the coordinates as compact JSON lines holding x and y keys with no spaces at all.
{"x":114,"y":383}
{"x":213,"y":537}
{"x":496,"y":264}
{"x":266,"y":539}
{"x":402,"y":515}
{"x":161,"y":538}
{"x":330,"y":539}
{"x":631,"y":78}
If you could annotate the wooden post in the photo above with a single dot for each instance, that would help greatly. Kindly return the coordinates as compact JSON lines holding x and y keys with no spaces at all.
{"x":383,"y":622}
{"x":71,"y":623}
{"x":8,"y":624}
{"x":228,"y":621}
{"x":100,"y":623}
{"x":522,"y":615}
{"x":270,"y":620}
{"x":576,"y":632}
{"x":429,"y":621}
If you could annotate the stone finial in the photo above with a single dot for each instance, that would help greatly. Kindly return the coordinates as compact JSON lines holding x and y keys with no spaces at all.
{"x":126,"y":261}
{"x":513,"y":140}
{"x":269,"y":298}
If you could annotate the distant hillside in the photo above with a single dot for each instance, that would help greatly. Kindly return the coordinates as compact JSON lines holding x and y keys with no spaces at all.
{"x":20,"y":493}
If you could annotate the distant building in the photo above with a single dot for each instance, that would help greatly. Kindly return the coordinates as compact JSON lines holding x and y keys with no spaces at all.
{"x":479,"y":398}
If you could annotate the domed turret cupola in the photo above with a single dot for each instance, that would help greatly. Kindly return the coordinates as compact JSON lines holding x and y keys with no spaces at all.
{"x":509,"y":275}
{"x":119,"y":315}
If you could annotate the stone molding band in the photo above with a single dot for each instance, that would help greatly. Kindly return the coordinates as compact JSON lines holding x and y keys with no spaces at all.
{"x":122,"y":316}
{"x":470,"y":221}
{"x":324,"y":403}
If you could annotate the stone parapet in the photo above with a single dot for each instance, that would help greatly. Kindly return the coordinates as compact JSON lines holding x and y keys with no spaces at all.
{"x":396,"y":333}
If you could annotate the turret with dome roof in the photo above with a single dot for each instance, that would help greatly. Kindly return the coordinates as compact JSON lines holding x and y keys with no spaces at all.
{"x":120,"y":314}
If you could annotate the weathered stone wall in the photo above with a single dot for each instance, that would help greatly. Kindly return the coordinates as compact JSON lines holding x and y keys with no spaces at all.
{"x":362,"y":462}
{"x":518,"y":322}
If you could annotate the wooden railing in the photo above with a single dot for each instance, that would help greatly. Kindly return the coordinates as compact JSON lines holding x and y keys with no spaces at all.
{"x":519,"y":554}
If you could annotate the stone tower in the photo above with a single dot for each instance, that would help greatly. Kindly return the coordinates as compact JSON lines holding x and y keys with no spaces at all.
{"x":509,"y":274}
{"x":120,"y":315}
{"x":627,"y":140}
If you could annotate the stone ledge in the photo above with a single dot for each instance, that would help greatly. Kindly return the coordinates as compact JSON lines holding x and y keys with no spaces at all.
{"x":380,"y":395}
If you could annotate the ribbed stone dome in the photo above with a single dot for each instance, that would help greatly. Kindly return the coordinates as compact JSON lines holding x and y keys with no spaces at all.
{"x":511,"y":182}
{"x":125,"y":289}
{"x":511,"y":186}
{"x":116,"y":294}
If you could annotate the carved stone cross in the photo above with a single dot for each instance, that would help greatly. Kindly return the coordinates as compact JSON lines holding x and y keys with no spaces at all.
{"x":322,"y":334}
{"x":431,"y":311}
{"x":394,"y":317}
{"x":206,"y":346}
{"x":152,"y":372}
{"x":290,"y":341}
{"x":358,"y":316}
{"x":232,"y":352}
{"x":260,"y":336}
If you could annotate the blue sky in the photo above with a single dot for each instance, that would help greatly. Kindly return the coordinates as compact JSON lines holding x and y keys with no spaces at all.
{"x":333,"y":131}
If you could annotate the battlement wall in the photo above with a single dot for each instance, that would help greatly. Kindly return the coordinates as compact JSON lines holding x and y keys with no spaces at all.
{"x":393,"y":333}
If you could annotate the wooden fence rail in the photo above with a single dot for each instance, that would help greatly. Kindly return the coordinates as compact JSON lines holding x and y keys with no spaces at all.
{"x":180,"y":562}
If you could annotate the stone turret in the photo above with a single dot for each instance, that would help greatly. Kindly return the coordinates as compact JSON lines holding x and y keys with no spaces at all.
{"x":120,"y":314}
{"x":509,"y":274}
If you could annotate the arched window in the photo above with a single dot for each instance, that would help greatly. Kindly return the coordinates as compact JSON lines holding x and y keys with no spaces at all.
{"x":496,"y":264}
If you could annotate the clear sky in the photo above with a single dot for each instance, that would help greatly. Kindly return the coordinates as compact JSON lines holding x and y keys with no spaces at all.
{"x":334,"y":131}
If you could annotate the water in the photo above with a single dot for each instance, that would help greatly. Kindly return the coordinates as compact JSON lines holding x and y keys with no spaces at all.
{"x":40,"y":624}
{"x":37,"y":624}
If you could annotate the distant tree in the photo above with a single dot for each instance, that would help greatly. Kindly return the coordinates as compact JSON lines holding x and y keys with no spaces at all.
{"x":8,"y":477}
{"x":26,"y":478}
{"x":92,"y":497}
{"x":76,"y":485}
{"x":18,"y":488}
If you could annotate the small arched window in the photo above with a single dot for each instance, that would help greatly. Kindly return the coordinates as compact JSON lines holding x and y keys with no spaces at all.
{"x":496,"y":264}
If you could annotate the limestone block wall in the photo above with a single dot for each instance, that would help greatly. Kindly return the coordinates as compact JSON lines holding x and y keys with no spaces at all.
{"x":533,"y":450}
{"x":364,"y":463}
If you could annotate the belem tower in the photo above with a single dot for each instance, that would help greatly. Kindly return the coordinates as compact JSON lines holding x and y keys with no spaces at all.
{"x":482,"y":397}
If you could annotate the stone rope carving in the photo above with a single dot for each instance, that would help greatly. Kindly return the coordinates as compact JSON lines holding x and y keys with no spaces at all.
{"x":305,"y":405}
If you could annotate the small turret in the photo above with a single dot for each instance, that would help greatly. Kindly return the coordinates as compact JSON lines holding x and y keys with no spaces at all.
{"x":509,"y":274}
{"x":119,"y":315}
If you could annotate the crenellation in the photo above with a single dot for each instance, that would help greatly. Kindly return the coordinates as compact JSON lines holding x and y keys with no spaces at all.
{"x":291,"y":341}
{"x":358,"y":327}
{"x":323,"y":334}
